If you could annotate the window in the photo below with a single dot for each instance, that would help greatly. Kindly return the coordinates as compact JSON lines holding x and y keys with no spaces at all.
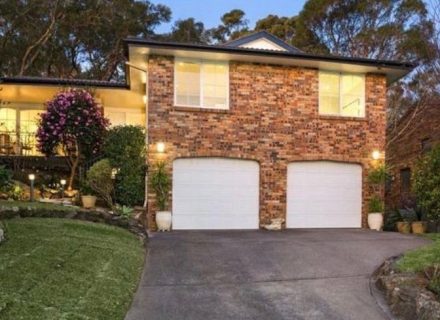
{"x":405,"y":181}
{"x":201,"y":84}
{"x":426,"y":145}
{"x":341,"y":94}
{"x":121,"y":117}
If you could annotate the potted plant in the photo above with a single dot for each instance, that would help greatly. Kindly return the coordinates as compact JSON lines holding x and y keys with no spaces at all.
{"x":375,"y":213}
{"x":376,"y":179}
{"x":88,"y":198}
{"x":408,"y":215}
{"x":161,"y":183}
{"x":419,"y":225}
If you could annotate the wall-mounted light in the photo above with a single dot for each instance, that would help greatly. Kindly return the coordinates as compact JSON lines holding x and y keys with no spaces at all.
{"x":160,"y":147}
{"x":31,"y":179}
{"x":376,"y":155}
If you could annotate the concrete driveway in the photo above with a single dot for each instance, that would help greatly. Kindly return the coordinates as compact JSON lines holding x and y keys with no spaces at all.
{"x":294,"y":274}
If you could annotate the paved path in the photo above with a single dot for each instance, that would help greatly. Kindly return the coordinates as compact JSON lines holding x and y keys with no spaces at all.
{"x":294,"y":274}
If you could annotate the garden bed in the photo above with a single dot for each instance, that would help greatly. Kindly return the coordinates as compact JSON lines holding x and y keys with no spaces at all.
{"x":411,"y":283}
{"x":65,"y":269}
{"x":23,"y":209}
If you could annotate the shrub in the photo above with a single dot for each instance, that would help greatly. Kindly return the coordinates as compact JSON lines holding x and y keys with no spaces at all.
{"x":161,"y":183}
{"x":5,"y":178}
{"x":73,"y":121}
{"x":375,"y":205}
{"x":378,"y":175}
{"x":99,"y":178}
{"x":426,"y":183}
{"x":124,"y":146}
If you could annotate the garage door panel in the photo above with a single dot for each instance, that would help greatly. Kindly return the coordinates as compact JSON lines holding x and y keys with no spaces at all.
{"x":322,"y":194}
{"x":214,"y":193}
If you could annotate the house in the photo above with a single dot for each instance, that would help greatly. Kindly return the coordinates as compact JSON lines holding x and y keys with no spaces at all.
{"x":255,"y":130}
{"x":413,"y":136}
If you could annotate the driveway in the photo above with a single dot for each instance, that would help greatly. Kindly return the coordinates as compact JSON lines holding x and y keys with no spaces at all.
{"x":293,"y":274}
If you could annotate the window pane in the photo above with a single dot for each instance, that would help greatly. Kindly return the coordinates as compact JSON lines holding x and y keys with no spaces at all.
{"x":352,"y":95}
{"x":215,"y":85}
{"x":187,"y":83}
{"x":328,"y":93}
{"x":8,"y":120}
{"x":28,"y":129}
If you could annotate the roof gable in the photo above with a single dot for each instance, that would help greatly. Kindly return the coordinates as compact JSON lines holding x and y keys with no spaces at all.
{"x":262,"y":40}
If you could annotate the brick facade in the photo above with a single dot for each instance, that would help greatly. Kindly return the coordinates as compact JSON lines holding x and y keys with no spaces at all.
{"x":272,"y":118}
{"x":404,"y":148}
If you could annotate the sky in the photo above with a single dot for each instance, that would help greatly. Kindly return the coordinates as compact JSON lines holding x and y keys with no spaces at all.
{"x":210,"y":11}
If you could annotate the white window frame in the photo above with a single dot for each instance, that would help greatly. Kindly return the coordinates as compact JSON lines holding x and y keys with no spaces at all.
{"x":339,"y":114}
{"x":201,"y":63}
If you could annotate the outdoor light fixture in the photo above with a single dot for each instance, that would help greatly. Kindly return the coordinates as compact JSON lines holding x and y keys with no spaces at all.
{"x":160,"y":147}
{"x":376,"y":154}
{"x":115,"y":171}
{"x":32,"y":179}
{"x":63,"y":184}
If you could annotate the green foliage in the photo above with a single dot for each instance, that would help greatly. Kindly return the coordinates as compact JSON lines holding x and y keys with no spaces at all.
{"x":359,"y":28}
{"x":125,"y":148}
{"x":124,"y":211}
{"x":426,"y":184}
{"x":72,"y":38}
{"x":161,"y":184}
{"x":426,"y":260}
{"x":281,"y":27}
{"x":233,"y":26}
{"x":375,"y":205}
{"x":16,"y":192}
{"x":102,"y":263}
{"x":378,"y":175}
{"x":5,"y":178}
{"x":99,"y":178}
{"x":390,"y":220}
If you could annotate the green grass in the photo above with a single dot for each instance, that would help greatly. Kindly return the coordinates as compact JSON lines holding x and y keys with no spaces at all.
{"x":64,"y":269}
{"x":34,"y":205}
{"x":425,"y":259}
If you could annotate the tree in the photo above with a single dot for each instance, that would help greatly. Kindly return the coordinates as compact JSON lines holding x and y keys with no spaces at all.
{"x":188,"y":31}
{"x":74,"y":122}
{"x":233,"y":26}
{"x":281,"y":27}
{"x":72,"y":38}
{"x":382,"y":29}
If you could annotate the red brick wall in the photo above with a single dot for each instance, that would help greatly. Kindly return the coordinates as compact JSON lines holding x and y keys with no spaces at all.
{"x":404,"y":147}
{"x":273,"y":119}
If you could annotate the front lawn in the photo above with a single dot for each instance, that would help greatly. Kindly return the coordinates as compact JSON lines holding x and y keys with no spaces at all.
{"x":64,"y":269}
{"x":426,"y":260}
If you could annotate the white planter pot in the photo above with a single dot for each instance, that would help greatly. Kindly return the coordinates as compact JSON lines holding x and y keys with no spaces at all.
{"x":163,"y":220}
{"x":375,"y":221}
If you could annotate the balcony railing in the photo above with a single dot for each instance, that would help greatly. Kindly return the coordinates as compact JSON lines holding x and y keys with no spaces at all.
{"x":18,"y":143}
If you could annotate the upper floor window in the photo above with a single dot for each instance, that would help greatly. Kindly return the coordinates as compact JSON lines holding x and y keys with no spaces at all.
{"x":202,"y":84}
{"x":341,"y":94}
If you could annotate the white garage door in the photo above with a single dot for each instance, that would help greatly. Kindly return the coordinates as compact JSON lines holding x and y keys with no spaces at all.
{"x":323,"y":194}
{"x":215,"y":193}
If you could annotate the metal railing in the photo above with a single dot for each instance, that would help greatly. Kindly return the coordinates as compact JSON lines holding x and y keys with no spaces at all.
{"x":19,"y":143}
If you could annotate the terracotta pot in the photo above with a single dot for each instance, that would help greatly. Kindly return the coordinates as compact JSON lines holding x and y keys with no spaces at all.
{"x":163,"y":220}
{"x":375,"y":221}
{"x":403,"y":227}
{"x":88,"y":202}
{"x":419,"y":227}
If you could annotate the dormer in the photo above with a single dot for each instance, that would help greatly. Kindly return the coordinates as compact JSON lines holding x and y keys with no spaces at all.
{"x":262,"y":40}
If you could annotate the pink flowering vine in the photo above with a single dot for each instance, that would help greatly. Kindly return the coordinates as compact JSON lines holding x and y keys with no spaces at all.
{"x":74,"y":122}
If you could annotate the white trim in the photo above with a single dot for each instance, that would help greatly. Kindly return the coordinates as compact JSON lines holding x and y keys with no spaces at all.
{"x":339,"y":114}
{"x":201,"y":63}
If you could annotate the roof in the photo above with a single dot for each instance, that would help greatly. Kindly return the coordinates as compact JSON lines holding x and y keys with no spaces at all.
{"x":63,"y":82}
{"x":261,"y":35}
{"x":393,"y":70}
